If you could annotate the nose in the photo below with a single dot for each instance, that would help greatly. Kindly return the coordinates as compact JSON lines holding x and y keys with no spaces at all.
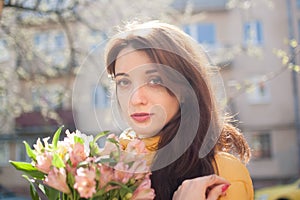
{"x":139,"y":96}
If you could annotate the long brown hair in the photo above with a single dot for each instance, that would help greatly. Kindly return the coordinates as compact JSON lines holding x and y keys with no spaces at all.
{"x":167,"y":45}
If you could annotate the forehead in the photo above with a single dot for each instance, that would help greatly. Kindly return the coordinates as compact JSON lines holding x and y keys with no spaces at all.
{"x":129,"y":59}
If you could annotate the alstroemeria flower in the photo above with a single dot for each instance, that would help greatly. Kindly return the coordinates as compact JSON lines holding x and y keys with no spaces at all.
{"x":139,"y":167}
{"x":106,"y":175}
{"x":136,"y":146}
{"x":144,"y":190}
{"x":44,"y":162}
{"x":77,"y":154}
{"x":39,"y":147}
{"x":87,"y":140}
{"x":122,"y":173}
{"x":63,"y":150}
{"x":109,"y":147}
{"x":85,"y":182}
{"x":57,"y":179}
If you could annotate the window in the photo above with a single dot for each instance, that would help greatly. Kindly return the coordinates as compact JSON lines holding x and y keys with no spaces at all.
{"x":4,"y":153}
{"x":253,"y":33}
{"x":52,"y":45}
{"x":51,"y":96}
{"x":40,"y":41}
{"x":259,"y":92}
{"x":4,"y":55}
{"x":29,"y":3}
{"x":100,"y":97}
{"x":59,"y":41}
{"x":261,"y":145}
{"x":204,"y":33}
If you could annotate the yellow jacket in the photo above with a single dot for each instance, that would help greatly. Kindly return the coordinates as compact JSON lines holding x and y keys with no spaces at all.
{"x":232,"y":169}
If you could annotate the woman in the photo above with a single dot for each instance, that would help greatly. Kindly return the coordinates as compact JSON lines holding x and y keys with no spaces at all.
{"x":164,"y":92}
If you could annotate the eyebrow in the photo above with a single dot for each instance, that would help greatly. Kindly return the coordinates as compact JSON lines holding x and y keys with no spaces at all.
{"x":147,"y":72}
{"x":121,"y":74}
{"x":151,"y":71}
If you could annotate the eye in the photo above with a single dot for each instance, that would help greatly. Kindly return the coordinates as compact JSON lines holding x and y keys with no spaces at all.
{"x":124,"y":82}
{"x":155,"y":81}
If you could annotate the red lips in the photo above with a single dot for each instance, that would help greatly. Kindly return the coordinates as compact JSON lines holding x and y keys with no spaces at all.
{"x":141,"y":117}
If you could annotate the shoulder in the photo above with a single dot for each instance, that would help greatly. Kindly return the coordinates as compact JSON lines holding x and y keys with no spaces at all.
{"x":230,"y":165}
{"x":232,"y":169}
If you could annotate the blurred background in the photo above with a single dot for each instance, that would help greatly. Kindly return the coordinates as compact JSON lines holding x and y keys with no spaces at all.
{"x":44,"y":45}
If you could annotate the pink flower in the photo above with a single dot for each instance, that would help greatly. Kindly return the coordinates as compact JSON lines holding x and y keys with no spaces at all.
{"x":106,"y":175}
{"x":144,"y":190}
{"x":140,"y":166}
{"x":136,"y":146}
{"x":85,"y":182}
{"x":77,"y":154}
{"x":70,"y":169}
{"x":122,"y":173}
{"x":43,"y":162}
{"x":57,"y":179}
{"x":109,"y":146}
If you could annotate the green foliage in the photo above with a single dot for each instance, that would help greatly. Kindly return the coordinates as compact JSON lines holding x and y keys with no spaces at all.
{"x":28,"y":169}
{"x":57,"y":161}
{"x":56,"y":137}
{"x":33,"y":192}
{"x":29,"y":151}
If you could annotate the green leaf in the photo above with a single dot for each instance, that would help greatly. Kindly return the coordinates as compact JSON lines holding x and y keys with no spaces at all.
{"x":100,"y":135}
{"x":29,"y":151}
{"x":78,"y":140}
{"x":56,"y":136}
{"x":42,"y":188}
{"x":123,"y":193}
{"x":57,"y":161}
{"x":112,"y":140}
{"x":99,"y":193}
{"x":52,"y":193}
{"x":115,"y":183}
{"x":70,"y":179}
{"x":28,"y":169}
{"x":33,"y":192}
{"x":110,"y":161}
{"x":94,"y":149}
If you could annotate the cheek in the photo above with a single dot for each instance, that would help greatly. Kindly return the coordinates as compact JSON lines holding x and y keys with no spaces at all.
{"x":168,"y":106}
{"x":123,"y":102}
{"x":174,"y":107}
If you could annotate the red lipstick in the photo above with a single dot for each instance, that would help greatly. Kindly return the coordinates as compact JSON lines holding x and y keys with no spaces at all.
{"x":141,"y":117}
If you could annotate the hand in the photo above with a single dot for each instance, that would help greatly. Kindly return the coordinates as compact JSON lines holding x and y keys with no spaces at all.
{"x":202,"y":188}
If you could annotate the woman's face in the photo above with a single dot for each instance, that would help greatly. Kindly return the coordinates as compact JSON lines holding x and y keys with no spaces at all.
{"x":145,"y":102}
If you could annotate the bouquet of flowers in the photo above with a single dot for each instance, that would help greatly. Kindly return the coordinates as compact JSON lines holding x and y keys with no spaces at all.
{"x":77,"y":168}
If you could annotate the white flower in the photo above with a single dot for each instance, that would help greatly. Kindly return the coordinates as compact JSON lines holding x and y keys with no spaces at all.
{"x":86,"y":140}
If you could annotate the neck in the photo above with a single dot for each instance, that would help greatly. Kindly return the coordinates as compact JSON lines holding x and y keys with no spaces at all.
{"x":142,"y":136}
{"x":151,"y":141}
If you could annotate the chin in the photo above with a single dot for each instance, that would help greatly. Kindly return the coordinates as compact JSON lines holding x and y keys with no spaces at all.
{"x":145,"y":132}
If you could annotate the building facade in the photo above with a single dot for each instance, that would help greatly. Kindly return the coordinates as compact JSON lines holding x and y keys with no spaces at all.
{"x":256,"y":76}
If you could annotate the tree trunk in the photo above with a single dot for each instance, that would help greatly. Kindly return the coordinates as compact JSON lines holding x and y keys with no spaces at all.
{"x":1,"y":7}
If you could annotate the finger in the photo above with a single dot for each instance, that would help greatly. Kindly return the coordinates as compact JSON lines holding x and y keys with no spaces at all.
{"x":212,"y":180}
{"x":217,"y":191}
